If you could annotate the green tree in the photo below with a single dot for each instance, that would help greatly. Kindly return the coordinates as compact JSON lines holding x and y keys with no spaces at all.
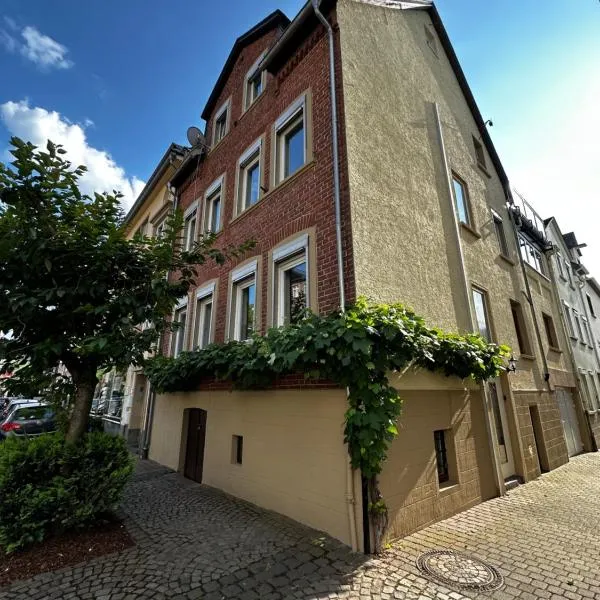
{"x":73,"y":289}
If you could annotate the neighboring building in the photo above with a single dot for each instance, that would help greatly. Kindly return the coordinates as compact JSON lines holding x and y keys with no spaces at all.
{"x":424,"y":221}
{"x":121,"y":399}
{"x":580,"y":300}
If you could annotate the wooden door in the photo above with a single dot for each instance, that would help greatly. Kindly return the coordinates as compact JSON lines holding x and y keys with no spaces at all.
{"x":194,"y":451}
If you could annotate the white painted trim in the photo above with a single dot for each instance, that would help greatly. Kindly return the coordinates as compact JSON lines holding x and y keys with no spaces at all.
{"x":183,"y":301}
{"x":190,"y":209}
{"x":255,"y":67}
{"x":291,"y":112}
{"x":244,"y":270}
{"x":286,"y":250}
{"x":214,"y":186}
{"x":205,"y":290}
{"x":255,"y":147}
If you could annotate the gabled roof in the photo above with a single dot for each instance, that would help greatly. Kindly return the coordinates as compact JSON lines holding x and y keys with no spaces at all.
{"x":305,"y":20}
{"x":174,"y":152}
{"x":274,"y":20}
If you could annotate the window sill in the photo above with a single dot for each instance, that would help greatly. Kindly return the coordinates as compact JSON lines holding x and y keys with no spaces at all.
{"x":472,"y":231}
{"x":507,"y":259}
{"x":484,"y":169}
{"x":215,"y":146}
{"x":251,"y":106}
{"x":534,"y":270}
{"x":448,"y":487}
{"x":291,"y":177}
{"x":555,"y":349}
{"x":527,"y":356}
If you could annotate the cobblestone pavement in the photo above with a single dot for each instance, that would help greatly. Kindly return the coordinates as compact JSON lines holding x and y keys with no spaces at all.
{"x":195,"y":542}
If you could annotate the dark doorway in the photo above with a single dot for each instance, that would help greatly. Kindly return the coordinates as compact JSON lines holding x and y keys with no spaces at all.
{"x":194,"y":451}
{"x":536,"y":422}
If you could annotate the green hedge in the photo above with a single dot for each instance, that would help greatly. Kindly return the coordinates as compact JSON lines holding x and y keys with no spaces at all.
{"x":48,"y":486}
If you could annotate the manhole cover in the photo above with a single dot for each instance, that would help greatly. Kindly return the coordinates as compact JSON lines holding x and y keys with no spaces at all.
{"x":459,"y":570}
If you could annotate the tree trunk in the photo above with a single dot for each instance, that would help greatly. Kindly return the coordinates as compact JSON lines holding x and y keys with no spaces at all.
{"x":85,"y":383}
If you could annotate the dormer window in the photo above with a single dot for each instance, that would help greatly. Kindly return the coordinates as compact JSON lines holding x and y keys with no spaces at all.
{"x":254,"y":83}
{"x":221,"y":126}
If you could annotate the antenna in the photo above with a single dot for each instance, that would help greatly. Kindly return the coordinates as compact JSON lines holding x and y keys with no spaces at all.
{"x":195,"y":137}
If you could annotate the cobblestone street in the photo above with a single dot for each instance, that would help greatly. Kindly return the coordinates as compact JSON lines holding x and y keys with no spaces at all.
{"x":195,"y":542}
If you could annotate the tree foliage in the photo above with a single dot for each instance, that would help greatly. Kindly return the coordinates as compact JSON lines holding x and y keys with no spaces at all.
{"x":73,"y":289}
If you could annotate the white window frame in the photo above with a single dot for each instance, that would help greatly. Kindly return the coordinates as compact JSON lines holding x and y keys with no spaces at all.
{"x":190,"y":213}
{"x":561,"y":267}
{"x":224,"y":108}
{"x":569,"y":319}
{"x":486,"y":312}
{"x":212,"y":191}
{"x":252,"y":156}
{"x":203,"y":295}
{"x":242,"y":278}
{"x":284,"y":123}
{"x":286,"y":257}
{"x":532,"y":256}
{"x":251,"y":75}
{"x":457,"y":179}
{"x":181,"y":332}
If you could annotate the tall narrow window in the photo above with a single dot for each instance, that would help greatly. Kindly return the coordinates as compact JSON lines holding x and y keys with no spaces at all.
{"x":291,"y":149}
{"x":189,"y":230}
{"x":292,"y":288}
{"x":244,"y":307}
{"x":590,"y":305}
{"x":500,"y":234}
{"x":479,"y":152}
{"x":461,"y":201}
{"x":569,"y":319}
{"x":569,"y":274}
{"x":585,"y":328}
{"x":221,"y":125}
{"x":249,"y":177}
{"x":203,"y":321}
{"x":255,"y":82}
{"x":520,"y":328}
{"x":586,"y":391}
{"x":578,"y":328}
{"x":531,"y":255}
{"x":481,"y":314}
{"x":212,"y":207}
{"x":550,"y":331}
{"x":560,"y":264}
{"x":237,"y":449}
{"x":441,"y":456}
{"x":594,"y":390}
{"x":178,"y":335}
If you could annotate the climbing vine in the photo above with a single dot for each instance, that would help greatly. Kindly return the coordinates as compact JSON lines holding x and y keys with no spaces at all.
{"x":356,"y":349}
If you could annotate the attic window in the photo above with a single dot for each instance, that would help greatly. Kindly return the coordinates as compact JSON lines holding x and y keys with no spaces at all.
{"x":431,"y":41}
{"x":479,"y":153}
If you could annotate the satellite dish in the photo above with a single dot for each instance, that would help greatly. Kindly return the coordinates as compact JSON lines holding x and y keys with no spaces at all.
{"x":194,"y":136}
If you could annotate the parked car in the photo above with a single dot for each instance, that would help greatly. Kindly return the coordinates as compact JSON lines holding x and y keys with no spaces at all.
{"x":28,"y":420}
{"x":8,"y":408}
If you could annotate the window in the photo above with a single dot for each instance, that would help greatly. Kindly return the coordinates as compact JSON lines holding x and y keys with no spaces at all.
{"x":160,"y":228}
{"x":586,"y":391}
{"x":560,"y":265}
{"x":441,"y":456}
{"x":594,"y":391}
{"x":590,"y":305}
{"x":255,"y":83}
{"x":481,"y":314}
{"x":520,"y":328}
{"x":500,"y":235}
{"x":590,"y":335}
{"x":550,"y":331}
{"x":237,"y":449}
{"x":461,"y":201}
{"x":249,"y":177}
{"x":243,"y":302}
{"x":569,"y":274}
{"x":221,"y":126}
{"x":531,"y":255}
{"x":189,"y":228}
{"x":568,"y":319}
{"x":212,"y":206}
{"x":291,"y":285}
{"x":203,"y":317}
{"x":291,"y":148}
{"x":578,"y":328}
{"x":178,"y":335}
{"x":479,"y":152}
{"x":585,"y":326}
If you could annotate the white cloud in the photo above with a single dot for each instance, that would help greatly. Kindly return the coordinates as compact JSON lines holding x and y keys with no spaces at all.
{"x":40,"y":49}
{"x":37,"y":125}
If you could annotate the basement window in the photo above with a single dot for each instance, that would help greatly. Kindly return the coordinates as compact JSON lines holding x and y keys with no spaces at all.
{"x":237,"y":449}
{"x":443,"y":458}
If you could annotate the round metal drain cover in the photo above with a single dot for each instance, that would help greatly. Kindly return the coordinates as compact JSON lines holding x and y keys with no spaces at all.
{"x":459,"y":570}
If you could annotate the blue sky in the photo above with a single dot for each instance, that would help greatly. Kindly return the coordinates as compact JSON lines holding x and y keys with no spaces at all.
{"x":118,"y":81}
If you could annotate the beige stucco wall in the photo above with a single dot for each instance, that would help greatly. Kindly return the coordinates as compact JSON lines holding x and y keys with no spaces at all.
{"x":294,"y":456}
{"x":409,"y":480}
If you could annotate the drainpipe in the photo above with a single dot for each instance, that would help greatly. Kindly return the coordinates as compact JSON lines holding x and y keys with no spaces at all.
{"x":536,"y":326}
{"x":350,"y":494}
{"x":467,"y":298}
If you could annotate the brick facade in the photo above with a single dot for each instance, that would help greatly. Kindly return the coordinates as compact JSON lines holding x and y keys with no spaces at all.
{"x":305,"y":200}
